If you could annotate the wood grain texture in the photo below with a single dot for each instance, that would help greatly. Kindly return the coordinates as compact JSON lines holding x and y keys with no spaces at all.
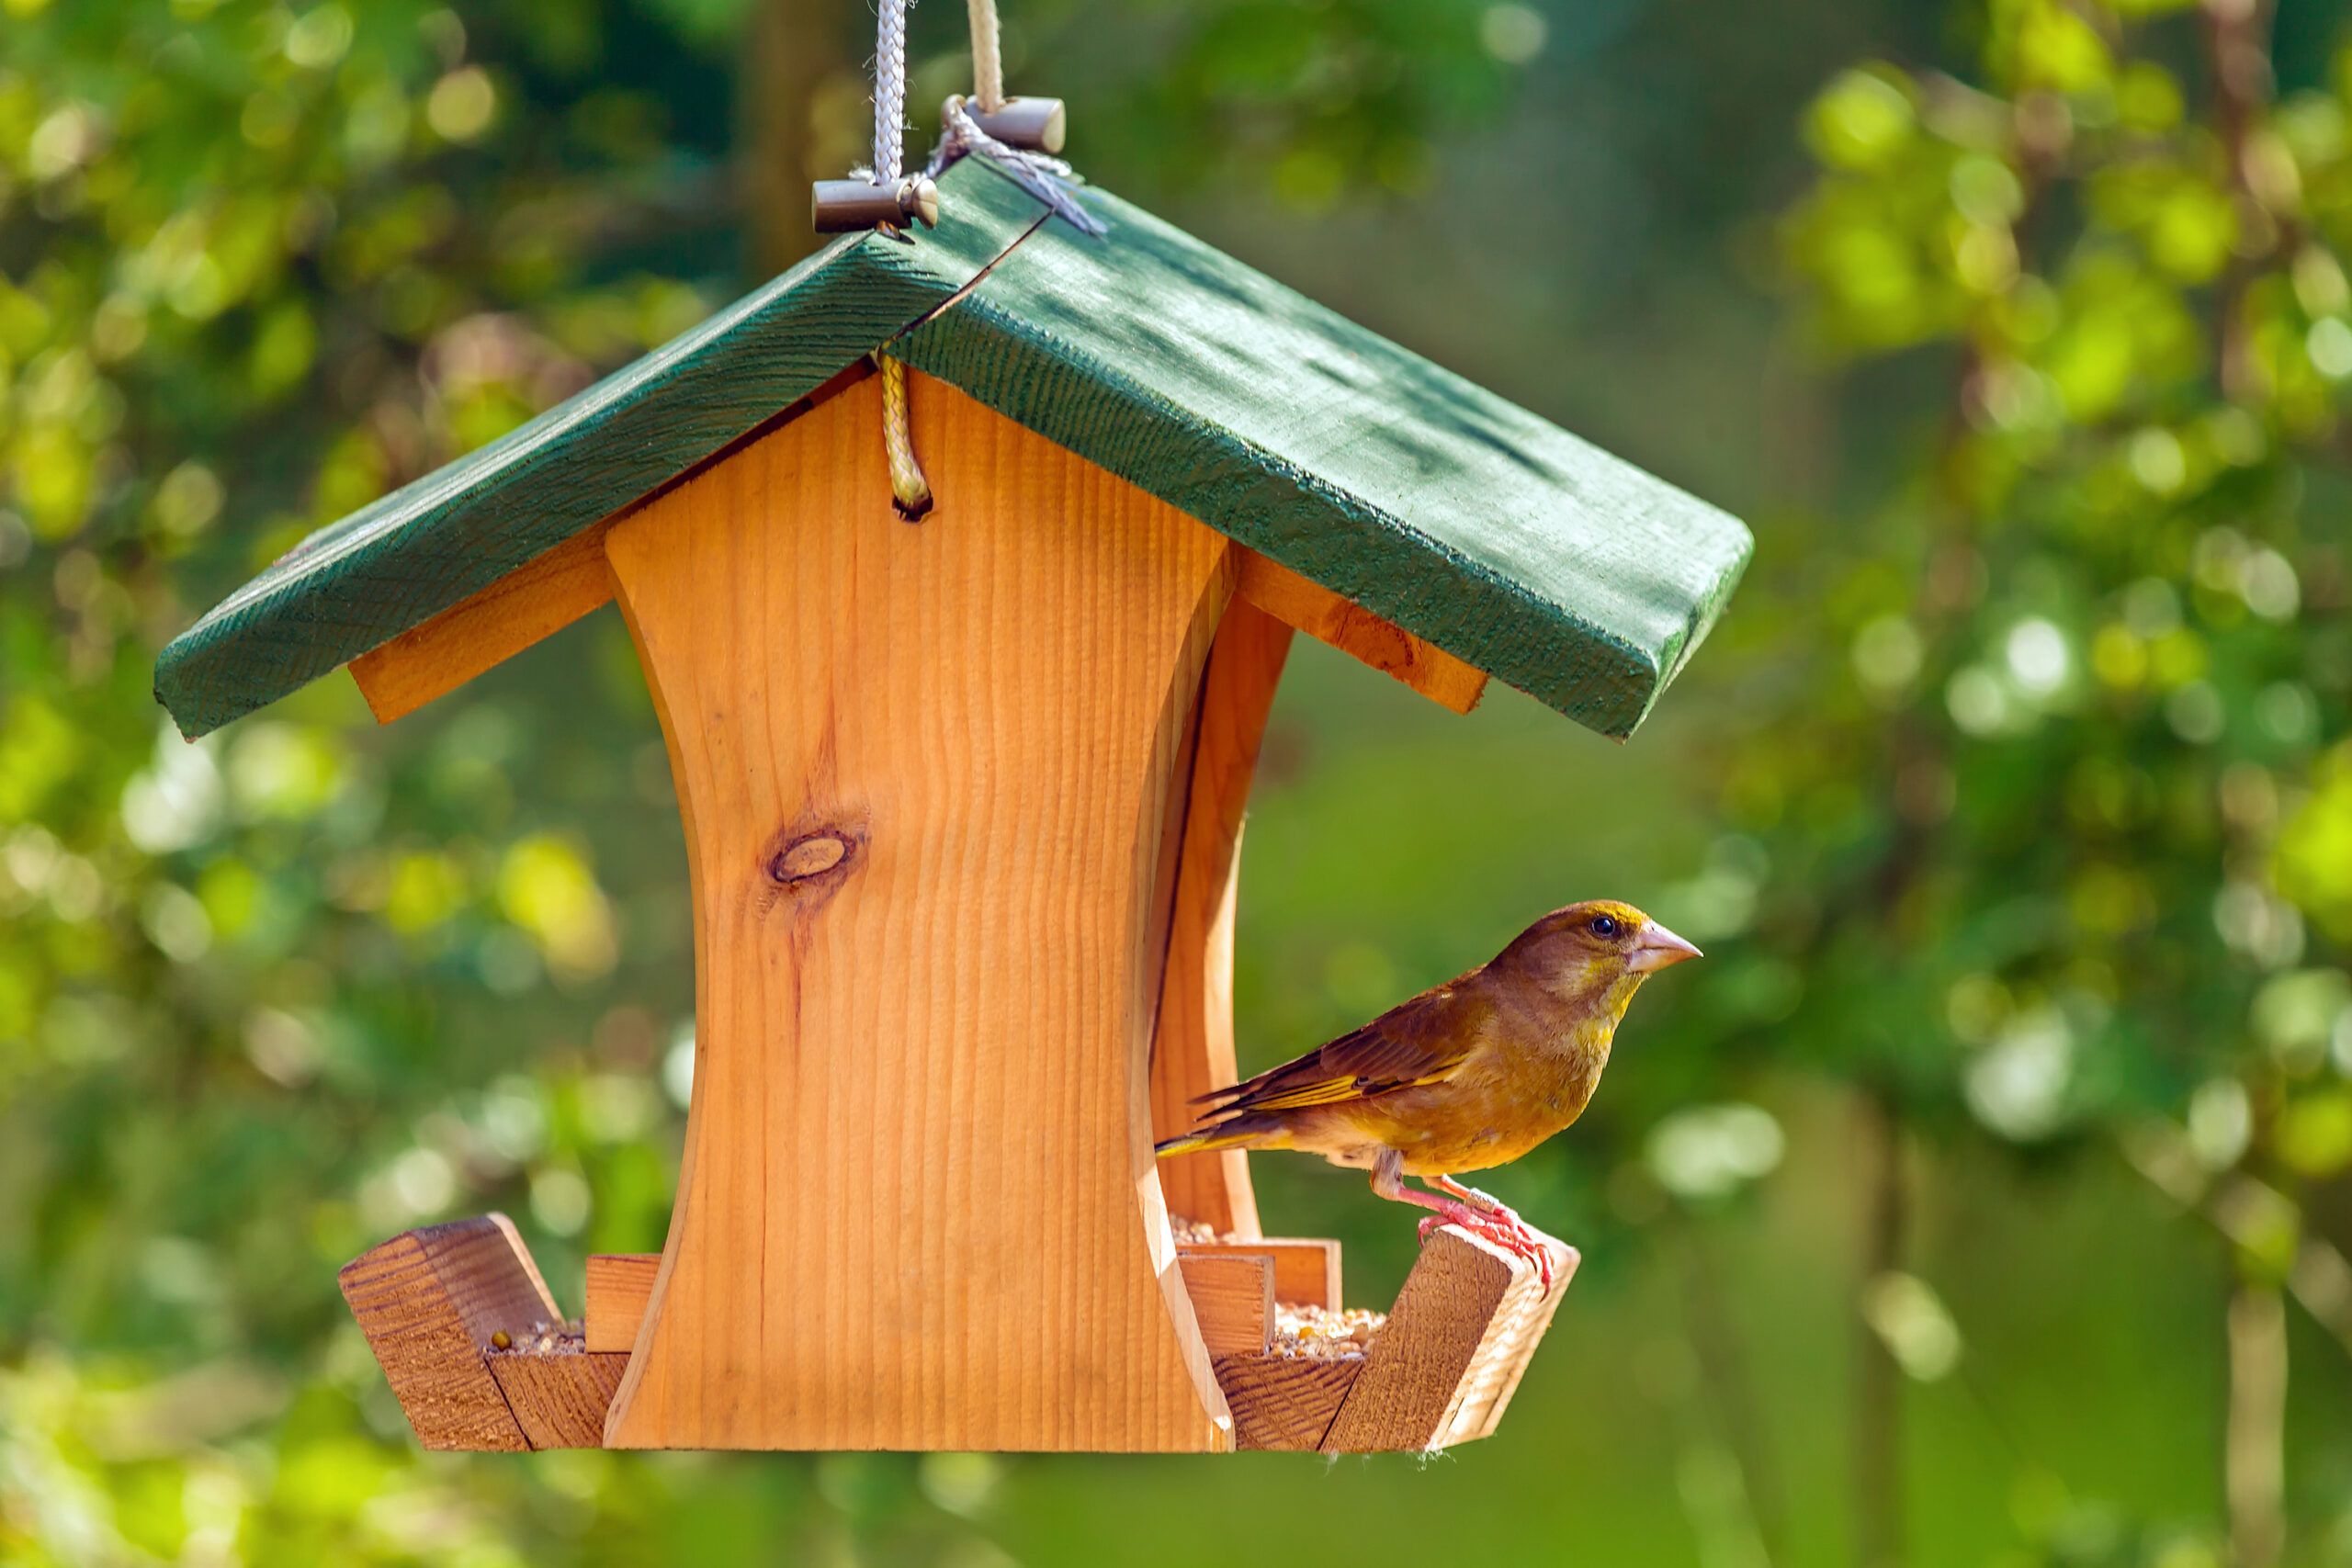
{"x":1458,"y":1339}
{"x":619,"y":1285}
{"x":1285,"y":1403}
{"x":559,"y":1397}
{"x":1232,"y":1295}
{"x":917,"y":1207}
{"x":1307,"y":1270}
{"x":1496,"y":534}
{"x":1352,"y":630}
{"x":390,"y":566}
{"x":1232,"y":1298}
{"x":428,"y":1302}
{"x":535,"y":600}
{"x":1192,"y":1049}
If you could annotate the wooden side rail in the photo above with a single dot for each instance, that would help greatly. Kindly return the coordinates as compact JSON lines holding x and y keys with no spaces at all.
{"x":1440,"y":1371}
{"x":1307,"y":1270}
{"x":472,"y":1344}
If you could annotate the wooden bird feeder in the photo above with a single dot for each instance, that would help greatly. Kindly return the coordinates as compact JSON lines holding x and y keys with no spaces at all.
{"x":962,"y":801}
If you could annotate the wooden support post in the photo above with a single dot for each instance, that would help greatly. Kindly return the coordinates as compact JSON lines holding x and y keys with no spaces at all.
{"x":1192,"y":1049}
{"x":924,"y":772}
{"x":535,"y":600}
{"x":620,"y":1285}
{"x":1233,"y":1297}
{"x":1307,"y":1270}
{"x":1328,"y":617}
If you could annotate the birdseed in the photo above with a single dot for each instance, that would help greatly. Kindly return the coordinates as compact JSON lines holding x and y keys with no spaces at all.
{"x":1319,"y":1334}
{"x":543,"y":1338}
{"x":1300,"y":1331}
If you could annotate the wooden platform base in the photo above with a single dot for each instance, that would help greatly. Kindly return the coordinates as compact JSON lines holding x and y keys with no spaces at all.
{"x":480,"y":1359}
{"x":472,"y":1344}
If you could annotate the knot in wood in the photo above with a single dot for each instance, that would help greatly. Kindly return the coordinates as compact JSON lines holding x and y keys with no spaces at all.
{"x":813,"y":854}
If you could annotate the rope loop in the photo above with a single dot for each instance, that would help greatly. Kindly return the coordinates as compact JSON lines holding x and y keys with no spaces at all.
{"x":909,"y":491}
{"x":1042,"y":175}
{"x":988,"y":57}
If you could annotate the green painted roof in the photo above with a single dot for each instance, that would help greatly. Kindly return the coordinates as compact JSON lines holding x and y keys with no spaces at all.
{"x":1494,"y":534}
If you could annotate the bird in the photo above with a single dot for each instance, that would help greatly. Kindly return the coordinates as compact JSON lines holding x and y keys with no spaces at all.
{"x":1465,"y":1076}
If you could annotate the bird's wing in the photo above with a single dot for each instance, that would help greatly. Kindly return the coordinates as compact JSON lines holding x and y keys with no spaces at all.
{"x":1419,"y":1041}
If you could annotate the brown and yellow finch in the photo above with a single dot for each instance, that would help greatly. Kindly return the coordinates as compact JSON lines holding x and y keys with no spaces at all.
{"x":1465,"y":1076}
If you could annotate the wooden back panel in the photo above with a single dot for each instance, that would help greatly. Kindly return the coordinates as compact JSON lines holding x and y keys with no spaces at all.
{"x":924,"y":771}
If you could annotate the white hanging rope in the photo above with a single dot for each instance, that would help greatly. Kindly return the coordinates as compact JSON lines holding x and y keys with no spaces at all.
{"x":1042,"y":175}
{"x":890,"y":91}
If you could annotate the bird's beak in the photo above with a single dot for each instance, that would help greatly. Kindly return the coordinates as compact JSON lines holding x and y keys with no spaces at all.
{"x":1659,"y":948}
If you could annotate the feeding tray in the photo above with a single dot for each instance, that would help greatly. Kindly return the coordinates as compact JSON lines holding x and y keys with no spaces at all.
{"x":963,"y":805}
{"x":479,"y":1357}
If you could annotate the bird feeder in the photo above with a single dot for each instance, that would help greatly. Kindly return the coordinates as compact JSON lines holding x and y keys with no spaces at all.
{"x":963,"y":803}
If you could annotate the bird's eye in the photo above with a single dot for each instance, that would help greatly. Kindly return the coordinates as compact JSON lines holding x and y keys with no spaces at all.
{"x":1604,"y":926}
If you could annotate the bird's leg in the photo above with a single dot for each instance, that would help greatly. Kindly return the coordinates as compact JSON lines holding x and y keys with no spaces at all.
{"x":1485,"y":1201}
{"x":1388,"y":1181}
{"x":1523,"y":1237}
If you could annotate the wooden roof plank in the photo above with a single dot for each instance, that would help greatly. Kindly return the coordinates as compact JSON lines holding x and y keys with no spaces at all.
{"x":395,"y":564}
{"x":1462,"y":518}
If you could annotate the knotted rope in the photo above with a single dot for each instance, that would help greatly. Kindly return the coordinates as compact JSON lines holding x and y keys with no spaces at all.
{"x":1042,"y":175}
{"x":909,"y":491}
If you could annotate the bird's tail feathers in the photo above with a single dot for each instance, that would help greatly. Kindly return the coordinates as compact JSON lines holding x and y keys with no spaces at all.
{"x":1240,"y":1132}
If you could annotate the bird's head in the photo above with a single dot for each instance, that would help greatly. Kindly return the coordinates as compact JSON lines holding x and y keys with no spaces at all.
{"x":1600,"y":949}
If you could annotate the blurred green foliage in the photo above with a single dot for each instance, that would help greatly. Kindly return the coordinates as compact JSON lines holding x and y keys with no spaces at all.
{"x":2013,"y":801}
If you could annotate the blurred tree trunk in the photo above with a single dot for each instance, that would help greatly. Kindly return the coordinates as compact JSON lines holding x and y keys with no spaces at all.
{"x":1730,"y":1386}
{"x":1878,"y":1381}
{"x":2237,"y":37}
{"x":791,"y":48}
{"x":2254,"y":1464}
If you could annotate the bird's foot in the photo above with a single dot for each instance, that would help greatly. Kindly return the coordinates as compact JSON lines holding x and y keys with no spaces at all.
{"x":1504,"y":1229}
{"x":1487,"y":1201}
{"x":1517,"y":1234}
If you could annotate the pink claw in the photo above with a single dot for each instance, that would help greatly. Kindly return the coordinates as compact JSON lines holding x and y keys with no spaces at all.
{"x":1505,"y":1229}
